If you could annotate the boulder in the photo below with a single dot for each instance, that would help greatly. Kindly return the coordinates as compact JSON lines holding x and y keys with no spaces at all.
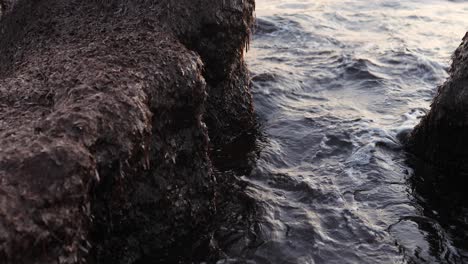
{"x":104,"y":151}
{"x":441,"y":137}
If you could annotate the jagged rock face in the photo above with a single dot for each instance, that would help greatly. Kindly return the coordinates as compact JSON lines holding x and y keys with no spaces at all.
{"x":441,"y":137}
{"x":220,"y":38}
{"x":103,"y":145}
{"x":219,"y":31}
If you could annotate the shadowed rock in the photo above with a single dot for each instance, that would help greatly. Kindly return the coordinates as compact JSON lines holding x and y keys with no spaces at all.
{"x":220,"y":38}
{"x":441,"y":153}
{"x":103,"y":144}
{"x":441,"y":137}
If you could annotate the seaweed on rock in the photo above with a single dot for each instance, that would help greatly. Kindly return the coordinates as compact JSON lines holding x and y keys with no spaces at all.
{"x":104,"y":151}
{"x":440,"y":138}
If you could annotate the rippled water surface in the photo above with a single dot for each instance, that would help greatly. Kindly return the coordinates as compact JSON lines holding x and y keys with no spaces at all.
{"x":335,"y":84}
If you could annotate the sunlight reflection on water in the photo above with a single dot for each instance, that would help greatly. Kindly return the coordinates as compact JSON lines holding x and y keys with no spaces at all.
{"x":335,"y":82}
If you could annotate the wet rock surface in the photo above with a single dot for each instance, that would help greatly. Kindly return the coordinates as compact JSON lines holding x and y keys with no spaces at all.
{"x":221,"y":39}
{"x":104,"y":151}
{"x":440,"y":138}
{"x":440,"y":161}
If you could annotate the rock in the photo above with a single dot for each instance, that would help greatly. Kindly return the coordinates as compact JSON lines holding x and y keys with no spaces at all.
{"x":104,"y":151}
{"x":220,"y":38}
{"x":440,"y":138}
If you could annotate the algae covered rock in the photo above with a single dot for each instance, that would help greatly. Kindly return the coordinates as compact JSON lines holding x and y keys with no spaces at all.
{"x":220,"y":32}
{"x":104,"y":151}
{"x":441,"y":137}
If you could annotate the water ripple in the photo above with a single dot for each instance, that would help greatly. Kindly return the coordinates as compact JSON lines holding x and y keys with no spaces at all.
{"x":337,"y":85}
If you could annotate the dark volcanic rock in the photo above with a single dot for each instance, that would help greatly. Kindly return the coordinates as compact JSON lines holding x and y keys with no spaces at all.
{"x":441,"y":137}
{"x":103,"y":145}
